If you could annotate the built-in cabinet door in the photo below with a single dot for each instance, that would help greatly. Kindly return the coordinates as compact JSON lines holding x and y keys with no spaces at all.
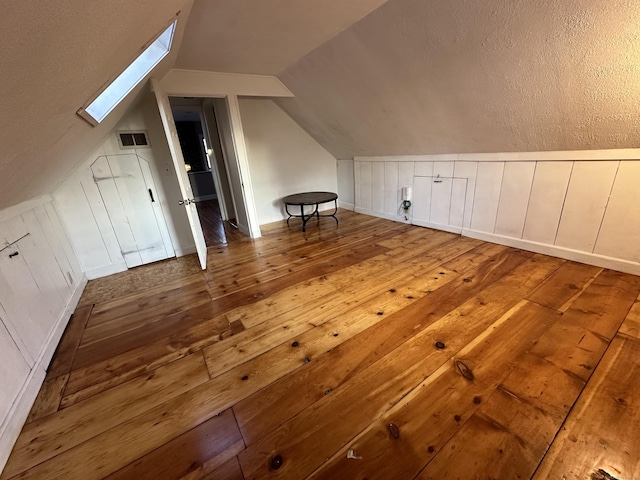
{"x":14,"y":369}
{"x":130,"y":198}
{"x":28,"y":318}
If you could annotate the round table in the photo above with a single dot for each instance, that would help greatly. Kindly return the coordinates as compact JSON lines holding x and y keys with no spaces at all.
{"x":310,"y":199}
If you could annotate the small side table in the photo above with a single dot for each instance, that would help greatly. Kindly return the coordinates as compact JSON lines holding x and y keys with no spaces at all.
{"x":310,"y":199}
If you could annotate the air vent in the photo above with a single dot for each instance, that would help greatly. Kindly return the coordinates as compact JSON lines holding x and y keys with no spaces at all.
{"x":133,"y":140}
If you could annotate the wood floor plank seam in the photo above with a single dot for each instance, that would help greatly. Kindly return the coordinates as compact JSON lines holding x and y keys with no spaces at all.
{"x":303,"y":264}
{"x":573,"y":406}
{"x":256,"y":447}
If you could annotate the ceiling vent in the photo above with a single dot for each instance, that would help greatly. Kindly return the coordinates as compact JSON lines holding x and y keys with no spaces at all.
{"x":128,"y":140}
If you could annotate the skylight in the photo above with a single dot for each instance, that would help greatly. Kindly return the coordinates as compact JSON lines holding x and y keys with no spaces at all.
{"x":111,"y":96}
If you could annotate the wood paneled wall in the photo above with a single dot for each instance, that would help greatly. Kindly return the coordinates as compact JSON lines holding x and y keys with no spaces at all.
{"x":86,"y":217}
{"x":583,"y":206}
{"x":40,"y":284}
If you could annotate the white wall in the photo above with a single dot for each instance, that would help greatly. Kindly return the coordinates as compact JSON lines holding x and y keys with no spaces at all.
{"x":40,"y":285}
{"x":283,"y":158}
{"x":83,"y":211}
{"x":581,"y":205}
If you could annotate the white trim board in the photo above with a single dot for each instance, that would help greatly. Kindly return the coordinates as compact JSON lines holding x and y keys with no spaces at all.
{"x":14,"y":421}
{"x":181,"y":252}
{"x":437,"y":226}
{"x":574,"y":155}
{"x":197,"y":83}
{"x":105,"y":271}
{"x":394,"y":218}
{"x":556,"y":251}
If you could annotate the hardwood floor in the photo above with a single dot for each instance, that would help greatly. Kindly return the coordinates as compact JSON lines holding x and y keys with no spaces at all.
{"x":215,"y":230}
{"x":370,"y":349}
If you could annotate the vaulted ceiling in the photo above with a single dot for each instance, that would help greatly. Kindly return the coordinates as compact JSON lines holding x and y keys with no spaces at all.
{"x":370,"y":76}
{"x":457,"y":76}
{"x":55,"y":56}
{"x":263,"y":37}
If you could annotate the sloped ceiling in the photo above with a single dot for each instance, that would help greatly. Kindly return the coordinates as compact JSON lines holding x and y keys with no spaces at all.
{"x":263,"y":36}
{"x":57,"y":54}
{"x":430,"y":76}
{"x":54,"y":57}
{"x":408,"y":77}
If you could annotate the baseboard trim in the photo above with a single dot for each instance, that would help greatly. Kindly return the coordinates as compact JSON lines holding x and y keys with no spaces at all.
{"x":105,"y":271}
{"x":19,"y":411}
{"x":373,"y":213}
{"x":346,"y":206}
{"x":437,"y":226}
{"x":546,"y":249}
{"x":244,"y":229}
{"x":556,"y":251}
{"x":181,"y":252}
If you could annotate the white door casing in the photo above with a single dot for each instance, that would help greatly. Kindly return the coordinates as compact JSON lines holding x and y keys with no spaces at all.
{"x":171,"y":133}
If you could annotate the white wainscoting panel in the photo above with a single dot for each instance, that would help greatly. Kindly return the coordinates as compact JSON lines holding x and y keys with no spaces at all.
{"x":377,"y":185}
{"x":620,"y":231}
{"x":514,"y":198}
{"x":468,"y":171}
{"x":487,"y":196}
{"x":40,"y":285}
{"x":583,"y":206}
{"x":366,"y":189}
{"x":549,"y":188}
{"x":391,"y":190}
{"x":421,"y":204}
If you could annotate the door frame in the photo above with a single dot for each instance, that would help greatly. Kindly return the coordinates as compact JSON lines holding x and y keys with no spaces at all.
{"x":220,"y":184}
{"x":230,"y":86}
{"x":171,"y":134}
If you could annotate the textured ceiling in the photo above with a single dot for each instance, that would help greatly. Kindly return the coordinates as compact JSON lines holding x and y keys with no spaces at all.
{"x":408,"y":77}
{"x":263,"y":36}
{"x":54,"y":57}
{"x":427,"y":76}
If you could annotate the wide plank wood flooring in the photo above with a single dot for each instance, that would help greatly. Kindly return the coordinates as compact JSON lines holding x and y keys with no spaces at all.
{"x":369,"y":350}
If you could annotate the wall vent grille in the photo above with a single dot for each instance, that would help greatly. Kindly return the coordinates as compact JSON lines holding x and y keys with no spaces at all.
{"x":129,"y":140}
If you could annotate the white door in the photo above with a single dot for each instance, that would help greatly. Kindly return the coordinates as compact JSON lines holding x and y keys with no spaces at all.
{"x":28,"y":321}
{"x":438,"y":202}
{"x":178,"y":163}
{"x":129,"y":195}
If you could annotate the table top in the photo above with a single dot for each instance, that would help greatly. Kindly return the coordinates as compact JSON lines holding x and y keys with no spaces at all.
{"x":309,"y":198}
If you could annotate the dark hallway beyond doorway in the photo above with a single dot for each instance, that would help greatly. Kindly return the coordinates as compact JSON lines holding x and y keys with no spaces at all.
{"x":216,"y":231}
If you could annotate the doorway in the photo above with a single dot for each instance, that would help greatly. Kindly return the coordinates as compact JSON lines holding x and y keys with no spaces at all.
{"x":205,"y":162}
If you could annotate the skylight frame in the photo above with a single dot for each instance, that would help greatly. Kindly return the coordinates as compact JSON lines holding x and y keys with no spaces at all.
{"x":108,"y":98}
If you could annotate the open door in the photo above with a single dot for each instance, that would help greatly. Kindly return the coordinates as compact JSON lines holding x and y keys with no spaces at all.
{"x":178,"y":163}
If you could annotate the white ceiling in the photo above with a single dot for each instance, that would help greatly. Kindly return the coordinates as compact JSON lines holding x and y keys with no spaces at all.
{"x":263,"y":36}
